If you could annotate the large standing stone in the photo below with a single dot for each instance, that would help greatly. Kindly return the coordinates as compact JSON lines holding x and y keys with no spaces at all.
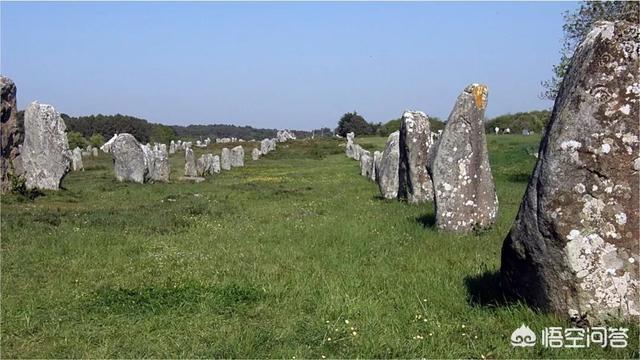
{"x":415,"y":141}
{"x":377,"y":157}
{"x":349,"y":151}
{"x":201,"y":165}
{"x":225,"y":159}
{"x":574,"y":247}
{"x":357,"y":151}
{"x":387,"y":171}
{"x":128,"y":158}
{"x":76,"y":160}
{"x":465,"y":196}
{"x":94,"y":152}
{"x":265,"y":145}
{"x":366,"y":164}
{"x":157,"y":162}
{"x":215,"y":165}
{"x":106,"y":147}
{"x":189,"y":163}
{"x":46,"y":157}
{"x":237,"y":156}
{"x":255,"y":154}
{"x":8,"y":132}
{"x":284,"y":135}
{"x":172,"y":147}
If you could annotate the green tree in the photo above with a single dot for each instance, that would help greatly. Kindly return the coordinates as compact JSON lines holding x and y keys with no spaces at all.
{"x":76,"y":140}
{"x":353,"y":122}
{"x":96,"y":140}
{"x":162,"y":134}
{"x":577,"y":25}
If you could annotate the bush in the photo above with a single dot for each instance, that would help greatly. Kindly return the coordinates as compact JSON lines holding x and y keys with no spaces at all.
{"x":96,"y":140}
{"x":76,"y":140}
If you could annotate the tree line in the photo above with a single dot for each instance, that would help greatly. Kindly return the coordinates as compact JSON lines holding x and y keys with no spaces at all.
{"x":531,"y":120}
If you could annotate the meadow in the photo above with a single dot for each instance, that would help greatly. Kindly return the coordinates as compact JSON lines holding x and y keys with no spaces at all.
{"x":293,"y":256}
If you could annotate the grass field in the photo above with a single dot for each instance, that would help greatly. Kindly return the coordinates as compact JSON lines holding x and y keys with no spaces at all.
{"x":294,"y":255}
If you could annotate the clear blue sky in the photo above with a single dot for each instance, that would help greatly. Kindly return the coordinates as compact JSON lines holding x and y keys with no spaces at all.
{"x":277,"y":65}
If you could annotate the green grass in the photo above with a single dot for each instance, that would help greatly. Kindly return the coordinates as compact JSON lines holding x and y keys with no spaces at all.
{"x":270,"y":260}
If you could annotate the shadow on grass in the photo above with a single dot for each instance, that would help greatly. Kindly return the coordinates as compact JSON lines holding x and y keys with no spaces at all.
{"x":484,"y":290}
{"x":519,"y":178}
{"x":427,"y":220}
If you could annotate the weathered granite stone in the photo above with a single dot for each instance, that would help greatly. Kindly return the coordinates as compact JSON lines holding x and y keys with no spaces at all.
{"x":357,"y":151}
{"x":201,"y":165}
{"x":255,"y":154}
{"x":415,"y":142}
{"x":265,"y":146}
{"x":106,"y":147}
{"x":128,"y":159}
{"x":172,"y":148}
{"x":225,"y":159}
{"x":215,"y":165}
{"x":285,"y":135}
{"x":189,"y":163}
{"x":237,"y":156}
{"x":94,"y":152}
{"x":465,"y":195}
{"x":387,"y":171}
{"x":574,"y":247}
{"x":157,"y":163}
{"x":76,"y":160}
{"x":350,"y":150}
{"x":10,"y":137}
{"x":45,"y":154}
{"x":377,"y":157}
{"x":366,"y":164}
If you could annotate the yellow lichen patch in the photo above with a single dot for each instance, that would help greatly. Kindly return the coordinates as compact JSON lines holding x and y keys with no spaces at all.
{"x":480,"y":93}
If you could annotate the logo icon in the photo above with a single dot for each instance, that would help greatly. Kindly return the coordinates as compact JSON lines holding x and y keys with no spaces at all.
{"x":523,"y":337}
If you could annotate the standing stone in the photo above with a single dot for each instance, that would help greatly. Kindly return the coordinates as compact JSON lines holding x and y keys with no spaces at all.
{"x":350,"y":150}
{"x":128,"y":159}
{"x":255,"y":154}
{"x":366,"y":163}
{"x":465,"y":196}
{"x":157,"y":162}
{"x":225,"y":159}
{"x":284,"y":135}
{"x":387,"y":171}
{"x":189,"y":163}
{"x":106,"y":147}
{"x":272,"y":144}
{"x":237,"y":156}
{"x":215,"y":165}
{"x":415,"y":142}
{"x":264,"y":146}
{"x":76,"y":160}
{"x":201,"y":165}
{"x":357,"y":151}
{"x":377,"y":157}
{"x":8,"y":132}
{"x":574,"y":248}
{"x":46,"y":157}
{"x":94,"y":152}
{"x":172,"y":148}
{"x":208,"y":160}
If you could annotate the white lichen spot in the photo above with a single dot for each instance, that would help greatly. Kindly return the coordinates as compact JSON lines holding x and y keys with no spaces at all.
{"x":625,"y":109}
{"x":571,"y":145}
{"x":605,"y":148}
{"x":621,"y":218}
{"x":579,"y":188}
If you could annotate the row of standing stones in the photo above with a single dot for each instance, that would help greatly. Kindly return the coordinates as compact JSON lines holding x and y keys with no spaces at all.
{"x":574,"y":246}
{"x":43,"y":157}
